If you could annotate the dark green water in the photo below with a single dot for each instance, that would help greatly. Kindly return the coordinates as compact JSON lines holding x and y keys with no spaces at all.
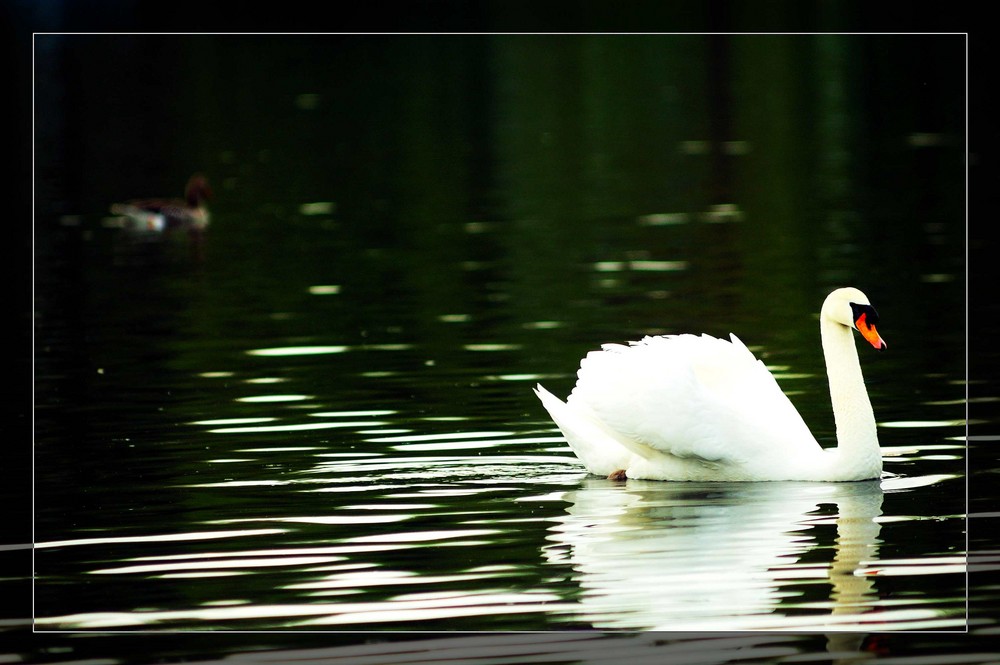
{"x":327,"y":423}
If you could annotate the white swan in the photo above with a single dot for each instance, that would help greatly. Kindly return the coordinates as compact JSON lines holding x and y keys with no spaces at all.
{"x":683,"y":407}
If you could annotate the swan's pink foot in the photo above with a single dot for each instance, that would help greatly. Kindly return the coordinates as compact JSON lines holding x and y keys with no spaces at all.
{"x":618,"y":475}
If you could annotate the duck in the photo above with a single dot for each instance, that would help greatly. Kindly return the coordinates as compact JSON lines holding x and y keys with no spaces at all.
{"x":163,"y":216}
{"x":689,"y":407}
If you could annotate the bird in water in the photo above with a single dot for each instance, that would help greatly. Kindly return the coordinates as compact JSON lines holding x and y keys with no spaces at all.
{"x":688,"y":407}
{"x":156,"y":219}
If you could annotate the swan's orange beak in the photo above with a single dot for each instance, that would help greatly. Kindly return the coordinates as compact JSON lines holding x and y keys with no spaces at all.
{"x":869,"y":332}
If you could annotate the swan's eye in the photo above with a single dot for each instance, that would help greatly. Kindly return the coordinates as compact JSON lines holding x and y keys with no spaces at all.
{"x":864,"y":315}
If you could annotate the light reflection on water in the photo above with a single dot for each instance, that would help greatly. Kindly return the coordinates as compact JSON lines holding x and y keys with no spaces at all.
{"x":360,"y":448}
{"x":640,"y":555}
{"x":427,"y":517}
{"x":328,"y":425}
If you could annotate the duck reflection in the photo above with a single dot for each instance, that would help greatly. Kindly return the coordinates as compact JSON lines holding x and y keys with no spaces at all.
{"x":720,"y":556}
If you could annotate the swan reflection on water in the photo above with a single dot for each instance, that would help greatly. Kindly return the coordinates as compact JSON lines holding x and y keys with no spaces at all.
{"x":722,"y":556}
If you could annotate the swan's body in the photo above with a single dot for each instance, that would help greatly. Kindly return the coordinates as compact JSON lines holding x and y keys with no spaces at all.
{"x":686,"y":407}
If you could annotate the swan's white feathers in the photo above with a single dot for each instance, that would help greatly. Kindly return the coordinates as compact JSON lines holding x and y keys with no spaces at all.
{"x":687,"y":407}
{"x":695,"y":399}
{"x":591,"y":440}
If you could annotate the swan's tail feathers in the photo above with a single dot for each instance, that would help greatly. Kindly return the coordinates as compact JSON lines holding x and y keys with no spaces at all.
{"x":598,"y":451}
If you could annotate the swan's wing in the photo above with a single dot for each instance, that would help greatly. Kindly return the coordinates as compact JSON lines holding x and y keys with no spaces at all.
{"x":690,"y":396}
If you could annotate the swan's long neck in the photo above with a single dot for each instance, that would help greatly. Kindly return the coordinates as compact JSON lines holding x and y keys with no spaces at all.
{"x":858,"y":456}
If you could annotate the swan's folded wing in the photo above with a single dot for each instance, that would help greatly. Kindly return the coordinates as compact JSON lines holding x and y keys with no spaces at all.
{"x":690,"y":397}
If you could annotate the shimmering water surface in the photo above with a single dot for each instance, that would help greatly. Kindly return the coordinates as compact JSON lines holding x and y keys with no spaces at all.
{"x":326,"y":423}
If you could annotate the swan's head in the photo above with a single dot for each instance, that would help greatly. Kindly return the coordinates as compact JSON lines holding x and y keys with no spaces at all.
{"x":850,"y":307}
